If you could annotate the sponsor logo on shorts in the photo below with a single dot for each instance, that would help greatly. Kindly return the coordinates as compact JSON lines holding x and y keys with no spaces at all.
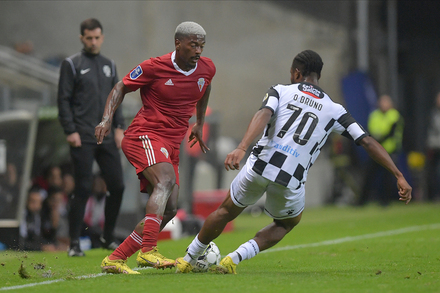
{"x":135,"y":73}
{"x":164,"y":152}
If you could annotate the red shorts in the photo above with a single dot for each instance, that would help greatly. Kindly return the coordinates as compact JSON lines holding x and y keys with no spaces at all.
{"x":148,"y":150}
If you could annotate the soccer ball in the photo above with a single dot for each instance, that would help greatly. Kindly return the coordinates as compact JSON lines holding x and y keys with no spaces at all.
{"x":211,"y":256}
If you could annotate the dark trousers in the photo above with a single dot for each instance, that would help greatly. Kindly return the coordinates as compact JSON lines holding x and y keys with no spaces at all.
{"x":433,"y":174}
{"x":378,"y":184}
{"x":109,"y":161}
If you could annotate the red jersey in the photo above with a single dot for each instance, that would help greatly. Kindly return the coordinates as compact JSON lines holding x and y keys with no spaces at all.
{"x":169,"y":96}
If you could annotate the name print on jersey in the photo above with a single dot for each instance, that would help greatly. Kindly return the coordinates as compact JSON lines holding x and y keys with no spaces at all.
{"x":288,"y":149}
{"x":308,"y":101}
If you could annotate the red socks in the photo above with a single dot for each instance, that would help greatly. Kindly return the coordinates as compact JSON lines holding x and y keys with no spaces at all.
{"x":127,"y":248}
{"x":151,"y":231}
{"x":135,"y":241}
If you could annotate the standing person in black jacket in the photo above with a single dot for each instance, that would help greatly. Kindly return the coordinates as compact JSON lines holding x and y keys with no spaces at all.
{"x":86,"y":79}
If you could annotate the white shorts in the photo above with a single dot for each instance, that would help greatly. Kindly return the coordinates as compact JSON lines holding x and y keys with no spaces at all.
{"x":281,"y":202}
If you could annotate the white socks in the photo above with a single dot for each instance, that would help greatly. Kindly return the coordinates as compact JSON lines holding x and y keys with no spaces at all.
{"x":195,"y":249}
{"x":245,"y":251}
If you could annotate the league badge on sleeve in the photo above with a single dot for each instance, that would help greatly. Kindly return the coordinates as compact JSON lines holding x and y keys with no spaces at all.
{"x":135,"y":73}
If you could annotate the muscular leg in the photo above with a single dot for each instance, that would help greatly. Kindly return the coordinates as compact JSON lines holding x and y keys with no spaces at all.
{"x":171,"y":207}
{"x":264,"y":239}
{"x":212,"y":228}
{"x":217,"y":220}
{"x":274,"y":232}
{"x":169,"y":213}
{"x":161,"y":176}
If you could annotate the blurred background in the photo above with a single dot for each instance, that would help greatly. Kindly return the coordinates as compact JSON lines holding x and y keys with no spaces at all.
{"x":369,"y":48}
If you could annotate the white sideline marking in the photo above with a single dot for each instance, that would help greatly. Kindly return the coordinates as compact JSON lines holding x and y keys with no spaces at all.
{"x":61,"y":280}
{"x":360,"y":237}
{"x":290,"y":247}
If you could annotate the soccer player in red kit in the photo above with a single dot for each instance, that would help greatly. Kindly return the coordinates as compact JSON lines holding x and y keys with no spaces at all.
{"x":171,"y":87}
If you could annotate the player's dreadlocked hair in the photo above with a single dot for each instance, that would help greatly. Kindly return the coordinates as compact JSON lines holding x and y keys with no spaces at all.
{"x":308,"y":61}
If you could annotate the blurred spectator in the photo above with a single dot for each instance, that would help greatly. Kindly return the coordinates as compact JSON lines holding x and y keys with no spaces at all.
{"x":195,"y":154}
{"x":54,"y":177}
{"x":94,"y":216}
{"x":25,"y":47}
{"x":51,"y":177}
{"x":68,"y":183}
{"x":385,"y":124}
{"x":54,"y":225}
{"x":30,"y":226}
{"x":346,"y":188}
{"x":9,"y":192}
{"x":433,"y":152}
{"x":68,"y":180}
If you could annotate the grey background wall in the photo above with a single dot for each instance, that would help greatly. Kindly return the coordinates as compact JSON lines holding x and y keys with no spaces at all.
{"x":252,"y":43}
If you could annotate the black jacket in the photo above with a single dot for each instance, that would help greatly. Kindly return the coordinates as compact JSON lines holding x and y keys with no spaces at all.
{"x":84,"y":85}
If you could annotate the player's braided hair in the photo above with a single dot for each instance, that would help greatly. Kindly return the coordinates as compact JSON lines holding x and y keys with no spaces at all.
{"x":90,"y":24}
{"x":308,"y":61}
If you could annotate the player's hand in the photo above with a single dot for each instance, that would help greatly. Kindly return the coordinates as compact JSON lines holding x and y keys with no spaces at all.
{"x":234,"y":158}
{"x":196,"y":136}
{"x":102,"y":130}
{"x":74,"y":140}
{"x":404,"y":190}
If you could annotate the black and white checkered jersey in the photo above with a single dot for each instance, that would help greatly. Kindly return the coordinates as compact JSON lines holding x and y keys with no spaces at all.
{"x":303,"y":118}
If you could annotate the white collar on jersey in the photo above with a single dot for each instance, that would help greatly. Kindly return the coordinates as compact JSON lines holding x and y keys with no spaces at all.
{"x":173,"y":57}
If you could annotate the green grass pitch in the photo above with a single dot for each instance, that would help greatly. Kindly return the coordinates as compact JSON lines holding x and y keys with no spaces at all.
{"x":333,"y":249}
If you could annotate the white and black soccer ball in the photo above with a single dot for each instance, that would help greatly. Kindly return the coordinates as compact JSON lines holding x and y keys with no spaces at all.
{"x":211,"y":256}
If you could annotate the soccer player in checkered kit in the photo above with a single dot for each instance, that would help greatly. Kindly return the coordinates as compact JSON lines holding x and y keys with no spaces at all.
{"x":296,"y":121}
{"x":171,"y":87}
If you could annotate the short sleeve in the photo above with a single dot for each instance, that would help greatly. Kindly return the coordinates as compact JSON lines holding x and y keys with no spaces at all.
{"x":271,"y":100}
{"x":139,"y":76}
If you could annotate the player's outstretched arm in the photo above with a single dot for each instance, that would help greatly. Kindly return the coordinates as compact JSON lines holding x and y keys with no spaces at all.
{"x":380,"y":155}
{"x":114,"y":99}
{"x":255,"y":128}
{"x":196,"y":134}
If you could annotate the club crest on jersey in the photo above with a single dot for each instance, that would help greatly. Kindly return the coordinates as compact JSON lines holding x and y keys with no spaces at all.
{"x":135,"y":73}
{"x":201,"y":83}
{"x":311,"y":90}
{"x":164,"y":152}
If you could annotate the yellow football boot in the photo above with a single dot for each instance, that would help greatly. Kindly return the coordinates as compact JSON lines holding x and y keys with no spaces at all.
{"x":154,"y":259}
{"x":182,"y":266}
{"x":118,"y":266}
{"x":226,"y":266}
